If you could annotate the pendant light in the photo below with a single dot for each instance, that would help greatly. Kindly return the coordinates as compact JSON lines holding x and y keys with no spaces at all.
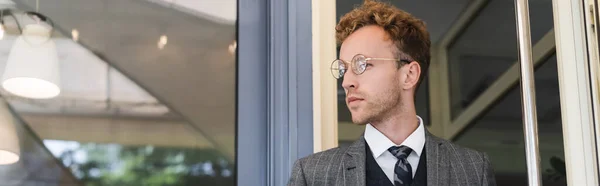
{"x":32,"y":68}
{"x":9,"y":140}
{"x":2,"y":24}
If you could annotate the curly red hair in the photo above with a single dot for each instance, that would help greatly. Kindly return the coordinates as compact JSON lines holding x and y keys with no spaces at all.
{"x":408,"y":33}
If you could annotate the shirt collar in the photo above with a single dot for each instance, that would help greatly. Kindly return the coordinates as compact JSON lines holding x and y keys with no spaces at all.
{"x":379,"y":143}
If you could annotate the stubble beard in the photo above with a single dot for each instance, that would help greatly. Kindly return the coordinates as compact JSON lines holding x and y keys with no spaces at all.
{"x":377,"y":108}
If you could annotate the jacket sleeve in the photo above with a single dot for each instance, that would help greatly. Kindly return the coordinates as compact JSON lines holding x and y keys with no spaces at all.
{"x":489,"y":179}
{"x":297,"y":177}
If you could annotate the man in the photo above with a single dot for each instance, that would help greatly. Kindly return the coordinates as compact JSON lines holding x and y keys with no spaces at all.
{"x":384,"y":56}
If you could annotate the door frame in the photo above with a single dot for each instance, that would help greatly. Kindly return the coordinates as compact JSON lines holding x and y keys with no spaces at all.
{"x":274,"y":124}
{"x":572,"y":27}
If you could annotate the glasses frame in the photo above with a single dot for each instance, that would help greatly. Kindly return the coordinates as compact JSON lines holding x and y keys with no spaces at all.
{"x":353,"y":64}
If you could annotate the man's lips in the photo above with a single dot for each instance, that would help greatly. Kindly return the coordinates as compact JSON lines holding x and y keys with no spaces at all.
{"x":353,"y":99}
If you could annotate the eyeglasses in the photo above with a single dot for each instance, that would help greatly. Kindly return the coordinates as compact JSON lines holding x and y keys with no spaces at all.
{"x":359,"y":65}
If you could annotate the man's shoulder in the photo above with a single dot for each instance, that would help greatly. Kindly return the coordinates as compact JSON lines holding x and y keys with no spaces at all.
{"x":464,"y":161}
{"x":465,"y":152}
{"x":319,"y":168}
{"x":326,"y":154}
{"x":462,"y":153}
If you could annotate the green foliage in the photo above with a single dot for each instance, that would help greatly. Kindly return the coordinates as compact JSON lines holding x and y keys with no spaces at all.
{"x":114,"y":165}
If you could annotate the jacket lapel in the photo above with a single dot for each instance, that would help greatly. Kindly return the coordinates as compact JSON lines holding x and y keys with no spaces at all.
{"x":438,"y":171}
{"x":354,"y":170}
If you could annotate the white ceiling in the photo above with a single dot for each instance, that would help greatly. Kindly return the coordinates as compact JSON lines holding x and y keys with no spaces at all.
{"x":88,"y":85}
{"x":222,"y":11}
{"x":194,"y":73}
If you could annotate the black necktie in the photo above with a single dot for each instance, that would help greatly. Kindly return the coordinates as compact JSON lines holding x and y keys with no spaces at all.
{"x":402,"y":170}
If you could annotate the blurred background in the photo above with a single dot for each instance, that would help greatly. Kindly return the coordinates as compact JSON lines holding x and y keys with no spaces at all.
{"x":147,"y":92}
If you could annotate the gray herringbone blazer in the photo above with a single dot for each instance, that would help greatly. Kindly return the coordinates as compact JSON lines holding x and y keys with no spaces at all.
{"x":447,"y":164}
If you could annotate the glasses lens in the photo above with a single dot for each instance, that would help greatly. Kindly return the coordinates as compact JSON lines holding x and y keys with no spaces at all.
{"x":360,"y":64}
{"x":338,"y":68}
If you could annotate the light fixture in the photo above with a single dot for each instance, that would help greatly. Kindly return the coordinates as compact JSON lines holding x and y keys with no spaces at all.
{"x":2,"y":23}
{"x":9,"y":140}
{"x":1,"y":30}
{"x":233,"y":47}
{"x":162,"y":41}
{"x":75,"y":35}
{"x":153,"y":109}
{"x":32,"y":68}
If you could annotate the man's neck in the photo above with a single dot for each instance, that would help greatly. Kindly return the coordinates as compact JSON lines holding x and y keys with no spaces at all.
{"x":397,"y":127}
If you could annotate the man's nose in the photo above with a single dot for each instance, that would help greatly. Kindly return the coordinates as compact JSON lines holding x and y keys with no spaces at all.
{"x":349,"y":81}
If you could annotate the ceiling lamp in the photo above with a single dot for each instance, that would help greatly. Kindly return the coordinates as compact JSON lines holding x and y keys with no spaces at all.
{"x":75,"y":35}
{"x":1,"y":21}
{"x":151,"y":109}
{"x":9,"y":140}
{"x":162,"y":41}
{"x":1,"y":28}
{"x":32,"y":68}
{"x":232,"y":47}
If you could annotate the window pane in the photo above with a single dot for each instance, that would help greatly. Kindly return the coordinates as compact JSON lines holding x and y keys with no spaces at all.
{"x":488,"y":47}
{"x":147,"y":95}
{"x":499,"y":132}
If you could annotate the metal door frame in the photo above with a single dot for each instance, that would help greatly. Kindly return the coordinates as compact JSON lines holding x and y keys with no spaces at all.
{"x":572,"y":25}
{"x":274,"y":89}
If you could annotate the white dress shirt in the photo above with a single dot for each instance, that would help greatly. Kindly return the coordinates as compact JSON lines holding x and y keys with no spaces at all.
{"x":380,"y":144}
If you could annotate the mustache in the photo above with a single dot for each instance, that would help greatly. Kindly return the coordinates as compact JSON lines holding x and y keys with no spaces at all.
{"x":354,"y":94}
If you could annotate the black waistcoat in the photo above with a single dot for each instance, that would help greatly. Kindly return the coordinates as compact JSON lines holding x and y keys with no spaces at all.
{"x":376,"y":177}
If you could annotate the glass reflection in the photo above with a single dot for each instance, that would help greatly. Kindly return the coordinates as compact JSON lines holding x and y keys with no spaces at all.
{"x":114,"y":164}
{"x":480,"y":55}
{"x":499,"y":132}
{"x":108,"y":125}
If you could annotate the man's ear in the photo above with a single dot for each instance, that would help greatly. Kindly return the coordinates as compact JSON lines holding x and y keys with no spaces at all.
{"x":412,"y":72}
